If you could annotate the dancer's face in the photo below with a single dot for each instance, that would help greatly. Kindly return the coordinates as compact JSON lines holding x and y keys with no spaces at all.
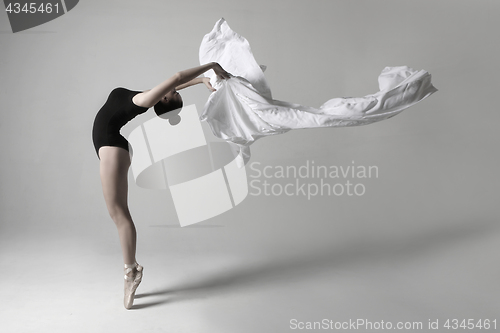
{"x":173,"y":96}
{"x":171,"y":101}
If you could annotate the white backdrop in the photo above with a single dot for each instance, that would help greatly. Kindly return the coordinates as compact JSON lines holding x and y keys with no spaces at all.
{"x":420,"y":244}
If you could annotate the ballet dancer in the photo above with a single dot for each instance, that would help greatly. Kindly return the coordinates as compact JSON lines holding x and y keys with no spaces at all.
{"x":112,"y":150}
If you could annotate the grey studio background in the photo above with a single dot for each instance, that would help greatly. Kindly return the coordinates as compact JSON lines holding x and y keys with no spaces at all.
{"x":421,"y":244}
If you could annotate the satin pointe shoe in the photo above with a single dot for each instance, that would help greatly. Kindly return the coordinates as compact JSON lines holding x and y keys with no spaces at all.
{"x":133,"y":277}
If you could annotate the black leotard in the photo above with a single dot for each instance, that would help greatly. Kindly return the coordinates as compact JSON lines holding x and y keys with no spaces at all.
{"x":113,"y":115}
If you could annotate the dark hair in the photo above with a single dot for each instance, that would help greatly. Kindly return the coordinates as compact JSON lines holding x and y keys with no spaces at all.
{"x":162,"y":107}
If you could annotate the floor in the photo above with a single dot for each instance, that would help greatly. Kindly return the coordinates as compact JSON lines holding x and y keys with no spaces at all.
{"x":433,"y":277}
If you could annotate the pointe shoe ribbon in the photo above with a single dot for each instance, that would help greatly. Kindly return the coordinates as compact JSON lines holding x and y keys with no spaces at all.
{"x":131,"y":283}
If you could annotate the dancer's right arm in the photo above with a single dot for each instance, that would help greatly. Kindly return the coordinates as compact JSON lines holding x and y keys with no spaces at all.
{"x":151,"y":97}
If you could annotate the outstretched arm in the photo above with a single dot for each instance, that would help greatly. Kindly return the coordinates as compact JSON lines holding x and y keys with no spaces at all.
{"x":198,"y":80}
{"x":151,"y":97}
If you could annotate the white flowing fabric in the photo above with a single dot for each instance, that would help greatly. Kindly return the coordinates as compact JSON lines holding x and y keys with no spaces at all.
{"x":242,"y":109}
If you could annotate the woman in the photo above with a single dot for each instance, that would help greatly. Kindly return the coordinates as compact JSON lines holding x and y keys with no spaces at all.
{"x":112,"y":150}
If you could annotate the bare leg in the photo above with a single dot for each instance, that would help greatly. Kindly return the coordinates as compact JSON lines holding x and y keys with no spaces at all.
{"x":114,"y":166}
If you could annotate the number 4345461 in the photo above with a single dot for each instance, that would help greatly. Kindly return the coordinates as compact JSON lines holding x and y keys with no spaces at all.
{"x":32,"y":8}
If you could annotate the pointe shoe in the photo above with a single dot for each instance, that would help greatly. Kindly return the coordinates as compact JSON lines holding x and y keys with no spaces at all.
{"x":133,"y":277}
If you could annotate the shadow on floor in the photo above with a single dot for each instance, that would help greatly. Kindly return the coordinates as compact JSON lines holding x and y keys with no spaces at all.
{"x":280,"y":270}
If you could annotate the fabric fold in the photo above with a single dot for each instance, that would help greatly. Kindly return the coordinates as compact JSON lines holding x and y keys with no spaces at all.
{"x":242,"y":109}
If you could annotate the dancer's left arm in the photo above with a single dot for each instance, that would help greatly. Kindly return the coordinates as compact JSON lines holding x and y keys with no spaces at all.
{"x":150,"y":97}
{"x":198,"y":80}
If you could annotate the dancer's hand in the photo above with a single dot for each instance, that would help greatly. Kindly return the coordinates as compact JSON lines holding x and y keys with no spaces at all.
{"x":206,"y":81}
{"x":221,"y":73}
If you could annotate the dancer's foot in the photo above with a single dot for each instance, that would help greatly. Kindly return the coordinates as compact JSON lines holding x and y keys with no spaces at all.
{"x":133,"y":277}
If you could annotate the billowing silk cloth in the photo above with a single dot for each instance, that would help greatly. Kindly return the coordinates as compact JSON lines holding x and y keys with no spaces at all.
{"x":242,"y":109}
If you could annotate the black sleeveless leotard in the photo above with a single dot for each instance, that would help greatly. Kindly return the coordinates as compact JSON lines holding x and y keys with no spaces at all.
{"x":113,"y":115}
